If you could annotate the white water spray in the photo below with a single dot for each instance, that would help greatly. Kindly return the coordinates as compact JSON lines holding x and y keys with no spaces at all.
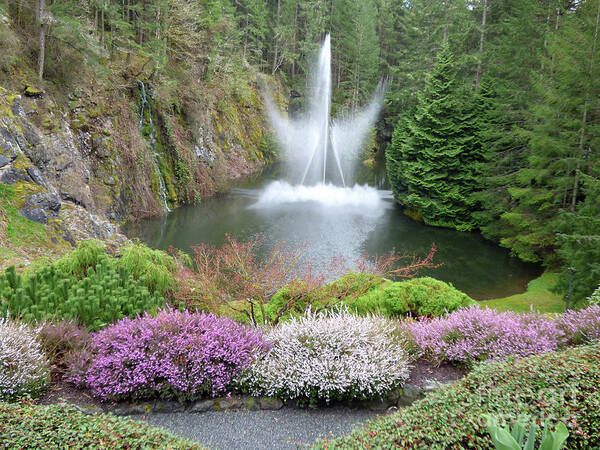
{"x":317,"y":149}
{"x":319,"y":152}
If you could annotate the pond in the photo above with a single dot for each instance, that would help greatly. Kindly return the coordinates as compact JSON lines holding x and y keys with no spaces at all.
{"x":331,"y":222}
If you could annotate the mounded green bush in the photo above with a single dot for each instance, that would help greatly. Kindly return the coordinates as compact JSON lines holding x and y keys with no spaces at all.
{"x":556,"y":386}
{"x":365,"y":294}
{"x":88,"y":254}
{"x":417,"y":297}
{"x":295,"y":298}
{"x":24,"y":425}
{"x":104,"y":296}
{"x":154,"y":267}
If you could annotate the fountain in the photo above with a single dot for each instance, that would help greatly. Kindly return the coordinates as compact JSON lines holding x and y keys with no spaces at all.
{"x":320,"y":153}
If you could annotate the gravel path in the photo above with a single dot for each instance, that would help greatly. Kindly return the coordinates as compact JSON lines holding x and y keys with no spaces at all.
{"x":257,"y":430}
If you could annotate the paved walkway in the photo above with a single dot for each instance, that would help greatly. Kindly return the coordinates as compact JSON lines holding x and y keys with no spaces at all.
{"x":284,"y":429}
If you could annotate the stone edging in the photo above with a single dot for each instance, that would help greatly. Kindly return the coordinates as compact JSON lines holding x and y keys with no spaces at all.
{"x":401,"y":397}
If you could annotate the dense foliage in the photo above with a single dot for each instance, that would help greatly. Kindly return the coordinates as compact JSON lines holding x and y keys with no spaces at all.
{"x":173,"y":355}
{"x":435,"y":156}
{"x":23,"y":425}
{"x":524,"y":82}
{"x":556,"y":386}
{"x":102,"y":297}
{"x":417,"y":297}
{"x":328,"y":356}
{"x":154,"y":268}
{"x":23,"y":364}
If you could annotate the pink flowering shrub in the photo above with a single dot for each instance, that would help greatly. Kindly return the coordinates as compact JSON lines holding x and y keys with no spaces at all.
{"x":580,"y":326}
{"x":175,"y":354}
{"x":474,"y":334}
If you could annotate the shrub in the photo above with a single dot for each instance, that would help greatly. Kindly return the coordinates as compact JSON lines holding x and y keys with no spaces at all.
{"x":580,"y":326}
{"x":104,"y":296}
{"x":173,"y":355}
{"x":329,"y":356}
{"x":62,"y":342}
{"x":554,"y":387}
{"x":594,"y":299}
{"x":474,"y":334}
{"x":88,"y":254}
{"x":417,"y":297}
{"x":296,"y":297}
{"x":156,"y":268}
{"x":24,"y":425}
{"x":23,"y":366}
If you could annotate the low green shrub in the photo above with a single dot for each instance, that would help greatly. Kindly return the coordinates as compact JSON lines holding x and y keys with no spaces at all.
{"x":366,"y":293}
{"x":24,"y":425}
{"x":294,"y":299}
{"x":104,"y":296}
{"x":553,"y":387}
{"x":154,"y":267}
{"x":417,"y":297}
{"x":88,"y":254}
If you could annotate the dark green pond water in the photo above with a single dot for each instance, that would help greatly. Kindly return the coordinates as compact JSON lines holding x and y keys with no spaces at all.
{"x":359,"y":225}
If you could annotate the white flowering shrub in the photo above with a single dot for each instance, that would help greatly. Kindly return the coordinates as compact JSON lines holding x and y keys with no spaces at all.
{"x":329,"y":356}
{"x":23,"y":365}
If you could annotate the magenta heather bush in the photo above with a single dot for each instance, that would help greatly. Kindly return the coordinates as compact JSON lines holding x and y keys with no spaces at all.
{"x":580,"y":326}
{"x":473,"y":334}
{"x":175,"y":354}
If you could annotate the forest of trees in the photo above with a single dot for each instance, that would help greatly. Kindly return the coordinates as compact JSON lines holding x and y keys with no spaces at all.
{"x":492,"y":114}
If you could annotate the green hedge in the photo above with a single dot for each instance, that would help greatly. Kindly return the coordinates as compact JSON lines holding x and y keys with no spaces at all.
{"x":62,"y":426}
{"x":557,"y":386}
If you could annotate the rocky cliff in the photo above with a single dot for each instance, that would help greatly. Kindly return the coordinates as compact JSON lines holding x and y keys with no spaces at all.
{"x":72,"y":168}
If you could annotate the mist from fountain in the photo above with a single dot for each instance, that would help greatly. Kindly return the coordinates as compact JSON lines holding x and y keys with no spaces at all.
{"x":320,"y":153}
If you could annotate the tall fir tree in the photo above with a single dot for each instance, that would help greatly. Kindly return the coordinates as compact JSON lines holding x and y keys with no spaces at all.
{"x":436,"y":156}
{"x":562,"y":134}
{"x":578,"y":243}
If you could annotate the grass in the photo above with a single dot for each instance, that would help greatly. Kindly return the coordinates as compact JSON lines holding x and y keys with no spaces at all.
{"x":538,"y":295}
{"x":21,"y":238}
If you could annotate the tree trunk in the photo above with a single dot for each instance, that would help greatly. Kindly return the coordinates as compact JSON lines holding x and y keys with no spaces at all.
{"x":546,"y":31}
{"x":276,"y":40}
{"x":246,"y":34}
{"x":42,"y":54}
{"x":584,"y":115}
{"x":481,"y":37}
{"x":102,"y":26}
{"x":294,"y":41}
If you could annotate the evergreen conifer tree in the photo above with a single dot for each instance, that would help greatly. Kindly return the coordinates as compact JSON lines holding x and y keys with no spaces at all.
{"x":436,"y":157}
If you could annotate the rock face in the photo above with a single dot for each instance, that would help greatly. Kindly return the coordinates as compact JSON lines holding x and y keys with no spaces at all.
{"x":78,"y":166}
{"x":39,"y":207}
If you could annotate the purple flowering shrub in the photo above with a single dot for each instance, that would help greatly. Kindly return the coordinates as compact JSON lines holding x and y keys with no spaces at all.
{"x":176,"y":354}
{"x":580,"y":326}
{"x":475,"y":334}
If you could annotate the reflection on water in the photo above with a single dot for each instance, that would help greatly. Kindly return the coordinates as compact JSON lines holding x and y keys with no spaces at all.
{"x":347,"y":228}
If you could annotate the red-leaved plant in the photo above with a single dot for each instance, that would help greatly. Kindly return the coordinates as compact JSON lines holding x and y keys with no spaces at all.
{"x":237,"y":276}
